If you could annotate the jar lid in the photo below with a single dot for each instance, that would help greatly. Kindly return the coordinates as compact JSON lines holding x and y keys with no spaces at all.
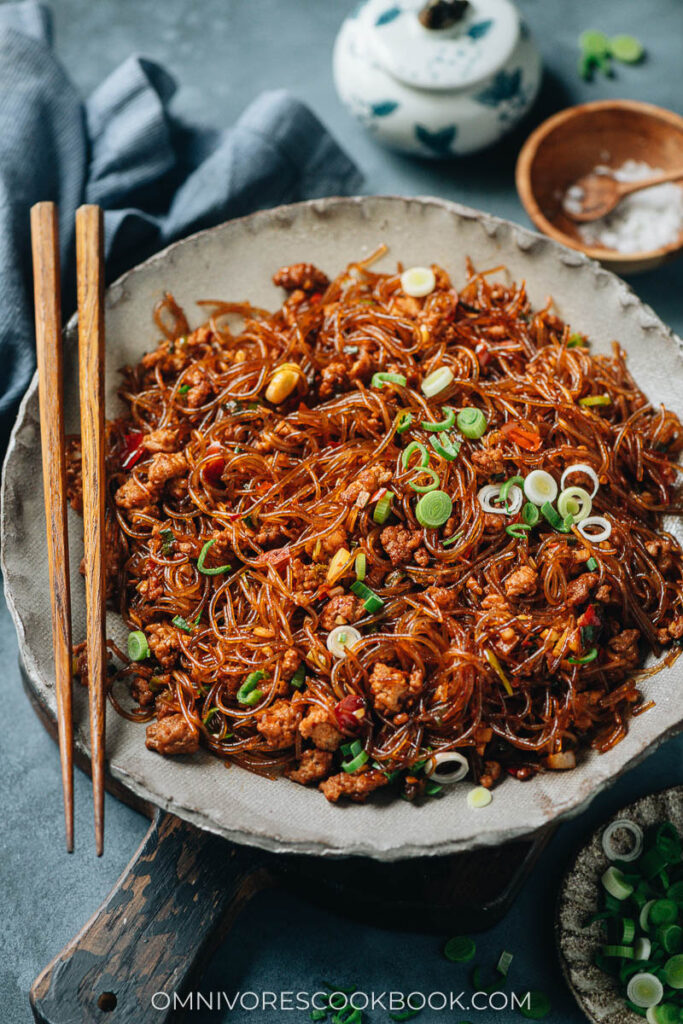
{"x":457,"y":56}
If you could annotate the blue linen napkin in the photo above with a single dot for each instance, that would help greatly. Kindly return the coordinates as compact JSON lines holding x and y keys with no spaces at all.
{"x":156,"y":179}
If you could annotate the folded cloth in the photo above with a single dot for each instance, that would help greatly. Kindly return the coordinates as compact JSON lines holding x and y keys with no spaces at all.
{"x":155,"y":178}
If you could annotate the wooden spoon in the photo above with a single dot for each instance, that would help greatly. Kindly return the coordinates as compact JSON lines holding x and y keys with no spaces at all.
{"x":601,"y":193}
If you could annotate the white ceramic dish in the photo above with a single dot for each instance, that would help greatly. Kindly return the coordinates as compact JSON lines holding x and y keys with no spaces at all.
{"x":236,"y":260}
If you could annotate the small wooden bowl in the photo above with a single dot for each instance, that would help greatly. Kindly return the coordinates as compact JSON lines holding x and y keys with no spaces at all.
{"x":572,"y":143}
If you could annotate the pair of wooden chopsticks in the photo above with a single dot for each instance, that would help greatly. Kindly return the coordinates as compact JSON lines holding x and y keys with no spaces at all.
{"x":90,"y":277}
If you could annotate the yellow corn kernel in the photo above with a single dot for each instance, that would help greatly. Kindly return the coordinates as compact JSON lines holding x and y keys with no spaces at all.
{"x":282,"y":383}
{"x":337,"y":564}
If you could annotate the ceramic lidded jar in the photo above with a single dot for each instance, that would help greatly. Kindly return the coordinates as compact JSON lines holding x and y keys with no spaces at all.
{"x":440,"y":79}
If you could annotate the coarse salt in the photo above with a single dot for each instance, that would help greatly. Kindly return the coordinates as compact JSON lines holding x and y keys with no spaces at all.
{"x":643,"y":221}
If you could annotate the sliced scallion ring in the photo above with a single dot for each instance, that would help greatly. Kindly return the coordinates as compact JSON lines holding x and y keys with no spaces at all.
{"x":446,"y":423}
{"x":425,"y":488}
{"x":447,"y":766}
{"x":490,"y":493}
{"x":437,"y":381}
{"x":673,"y":971}
{"x":340,"y":639}
{"x":248,"y":692}
{"x":581,"y":467}
{"x":575,"y":502}
{"x":540,"y":487}
{"x":200,"y":562}
{"x":403,"y":421}
{"x":433,"y":509}
{"x":635,"y":837}
{"x":446,"y":446}
{"x":138,"y":648}
{"x":380,"y":379}
{"x":616,"y":885}
{"x":479,"y":797}
{"x":602,"y":525}
{"x":360,"y":565}
{"x":518,"y":530}
{"x":472,"y":422}
{"x":415,"y":446}
{"x":382,"y":509}
{"x":644,"y":919}
{"x":505,"y":489}
{"x":642,"y":948}
{"x":530,"y":513}
{"x":645,"y":990}
{"x":418,"y":281}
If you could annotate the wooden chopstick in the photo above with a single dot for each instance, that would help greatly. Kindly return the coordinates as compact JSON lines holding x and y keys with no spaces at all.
{"x":48,"y":318}
{"x":89,"y":259}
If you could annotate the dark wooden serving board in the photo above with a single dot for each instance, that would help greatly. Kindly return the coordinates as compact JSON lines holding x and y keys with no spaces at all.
{"x":184,"y":887}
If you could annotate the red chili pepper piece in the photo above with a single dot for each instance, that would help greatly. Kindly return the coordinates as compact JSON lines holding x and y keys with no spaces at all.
{"x":522,"y":435}
{"x":590,"y":617}
{"x":132,"y":449}
{"x":482,"y":353}
{"x":213,"y":467}
{"x":274,"y":557}
{"x":316,"y":296}
{"x":347,"y":712}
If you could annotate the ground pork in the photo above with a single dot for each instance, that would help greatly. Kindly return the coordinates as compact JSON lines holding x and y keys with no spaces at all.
{"x":319,"y":727}
{"x":625,"y":646}
{"x":442,"y":597}
{"x":278,"y":724}
{"x":355,"y":786}
{"x":366,"y":483}
{"x":332,"y":378}
{"x":675,"y":628}
{"x":399,"y":542}
{"x":165,"y":466}
{"x":141,"y":691}
{"x":164,"y":643}
{"x":172,"y":735}
{"x":313,"y":766}
{"x":342,"y":610}
{"x":162,"y":440}
{"x":391,"y":687}
{"x":134,"y":494}
{"x":488,"y":462}
{"x":521,"y":581}
{"x":579,"y":590}
{"x":305,"y":276}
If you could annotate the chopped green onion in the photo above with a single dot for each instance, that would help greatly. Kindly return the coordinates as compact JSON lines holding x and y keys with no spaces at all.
{"x":180,"y":623}
{"x":447,"y":447}
{"x":200,"y":562}
{"x":380,"y":379}
{"x":183,"y":389}
{"x":626,"y":49}
{"x":504,"y":962}
{"x":518,"y":530}
{"x":373,"y":603}
{"x":591,"y":564}
{"x":460,"y":950}
{"x":673,"y":971}
{"x":433,"y":509}
{"x":415,"y":446}
{"x":299,"y":678}
{"x":433,"y":789}
{"x":444,"y":424}
{"x":590,"y":400}
{"x":498,"y":669}
{"x":455,"y":539}
{"x":591,"y":656}
{"x":138,"y":648}
{"x":628,"y":931}
{"x":555,"y":519}
{"x":505,"y":489}
{"x":663,"y":912}
{"x":614,"y":881}
{"x":670,"y":937}
{"x":167,"y":539}
{"x":575,"y":501}
{"x":357,"y":762}
{"x":536,"y":1007}
{"x":437,"y":381}
{"x":425,"y":488}
{"x":382,"y":509}
{"x":575,"y":341}
{"x":248,"y":692}
{"x":663,"y":1013}
{"x":618,"y":952}
{"x":645,"y":990}
{"x":360,"y":565}
{"x":403,"y":421}
{"x":530,"y":513}
{"x":472,"y":422}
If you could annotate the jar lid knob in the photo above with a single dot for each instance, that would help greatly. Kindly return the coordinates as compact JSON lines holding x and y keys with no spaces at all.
{"x":440,"y":14}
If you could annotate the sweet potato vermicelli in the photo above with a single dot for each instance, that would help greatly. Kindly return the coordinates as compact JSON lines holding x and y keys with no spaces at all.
{"x":508,"y":632}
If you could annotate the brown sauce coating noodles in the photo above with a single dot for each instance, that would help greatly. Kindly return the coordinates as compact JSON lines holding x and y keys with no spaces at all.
{"x":264,"y":435}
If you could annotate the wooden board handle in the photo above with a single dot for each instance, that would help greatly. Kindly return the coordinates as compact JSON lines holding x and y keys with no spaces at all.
{"x":154,"y":932}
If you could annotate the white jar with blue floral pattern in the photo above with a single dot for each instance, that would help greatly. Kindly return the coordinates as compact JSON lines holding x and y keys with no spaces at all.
{"x":438,"y":79}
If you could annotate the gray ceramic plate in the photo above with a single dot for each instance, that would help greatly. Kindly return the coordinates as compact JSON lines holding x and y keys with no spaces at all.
{"x":596,"y":993}
{"x":236,"y":260}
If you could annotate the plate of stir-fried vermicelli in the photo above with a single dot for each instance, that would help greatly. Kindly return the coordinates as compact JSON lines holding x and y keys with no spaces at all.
{"x":392,"y":500}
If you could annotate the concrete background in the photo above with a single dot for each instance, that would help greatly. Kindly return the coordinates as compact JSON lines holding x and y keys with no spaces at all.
{"x":222,"y":53}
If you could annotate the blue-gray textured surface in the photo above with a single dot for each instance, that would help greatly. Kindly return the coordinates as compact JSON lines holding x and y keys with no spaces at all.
{"x":224,"y":52}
